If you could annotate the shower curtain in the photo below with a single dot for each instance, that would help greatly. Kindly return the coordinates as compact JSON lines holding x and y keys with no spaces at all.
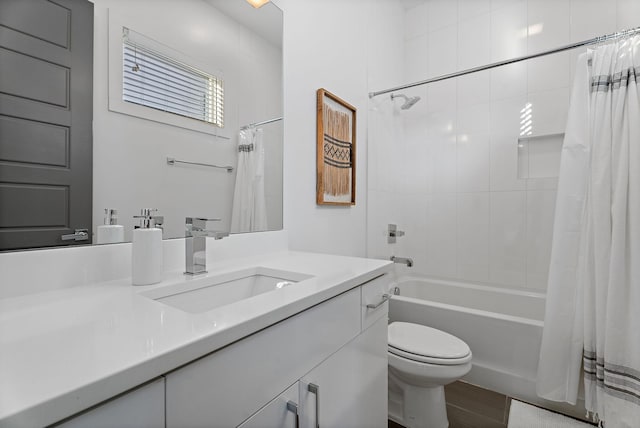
{"x":593,"y":299}
{"x":249,"y":206}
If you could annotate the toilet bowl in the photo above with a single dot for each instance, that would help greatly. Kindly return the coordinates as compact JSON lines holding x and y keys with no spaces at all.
{"x":422,"y":360}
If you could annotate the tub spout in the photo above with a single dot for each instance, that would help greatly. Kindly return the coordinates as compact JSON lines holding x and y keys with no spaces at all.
{"x":405,"y":260}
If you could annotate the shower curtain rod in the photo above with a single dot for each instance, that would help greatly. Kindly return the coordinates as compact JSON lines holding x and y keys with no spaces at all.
{"x":264,"y":122}
{"x":595,"y":40}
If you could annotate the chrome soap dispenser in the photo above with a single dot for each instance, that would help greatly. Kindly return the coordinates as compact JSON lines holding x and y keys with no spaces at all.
{"x":146,"y":252}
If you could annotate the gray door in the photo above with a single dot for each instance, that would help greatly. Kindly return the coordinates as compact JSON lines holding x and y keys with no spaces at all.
{"x":46,"y":111}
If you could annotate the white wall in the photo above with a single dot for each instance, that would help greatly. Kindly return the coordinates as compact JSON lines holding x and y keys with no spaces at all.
{"x":447,"y":170}
{"x":342,"y":46}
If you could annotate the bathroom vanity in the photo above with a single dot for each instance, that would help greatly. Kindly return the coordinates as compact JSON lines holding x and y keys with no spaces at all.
{"x":305,"y":352}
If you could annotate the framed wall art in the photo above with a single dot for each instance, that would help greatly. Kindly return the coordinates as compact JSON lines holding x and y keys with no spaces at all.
{"x":336,"y":150}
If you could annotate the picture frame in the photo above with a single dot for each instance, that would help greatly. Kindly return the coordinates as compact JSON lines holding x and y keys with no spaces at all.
{"x":336,"y":150}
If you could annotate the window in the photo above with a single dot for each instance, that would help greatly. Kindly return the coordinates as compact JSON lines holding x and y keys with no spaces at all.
{"x":154,"y":80}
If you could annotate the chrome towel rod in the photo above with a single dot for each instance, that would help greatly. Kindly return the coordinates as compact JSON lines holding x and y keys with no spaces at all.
{"x":593,"y":41}
{"x":173,"y":161}
{"x":264,"y":122}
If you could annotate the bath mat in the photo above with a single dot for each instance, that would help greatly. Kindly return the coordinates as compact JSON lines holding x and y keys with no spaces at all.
{"x":523,"y":415}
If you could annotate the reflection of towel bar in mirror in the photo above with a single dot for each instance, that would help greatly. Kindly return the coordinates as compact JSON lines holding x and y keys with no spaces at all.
{"x":173,"y":161}
{"x":264,"y":122}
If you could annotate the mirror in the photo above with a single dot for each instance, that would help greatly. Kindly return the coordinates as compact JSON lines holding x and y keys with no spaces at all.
{"x":132,"y":143}
{"x":231,"y":39}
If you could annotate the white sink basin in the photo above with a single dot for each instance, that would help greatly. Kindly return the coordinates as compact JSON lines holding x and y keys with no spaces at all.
{"x":198,"y":295}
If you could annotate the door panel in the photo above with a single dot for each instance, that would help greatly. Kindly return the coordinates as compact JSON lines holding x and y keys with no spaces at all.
{"x":46,"y":100}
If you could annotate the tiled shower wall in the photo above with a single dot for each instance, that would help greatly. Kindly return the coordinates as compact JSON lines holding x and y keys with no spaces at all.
{"x":446,"y":171}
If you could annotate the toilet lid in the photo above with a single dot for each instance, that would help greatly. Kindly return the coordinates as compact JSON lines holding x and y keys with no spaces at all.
{"x":421,"y":343}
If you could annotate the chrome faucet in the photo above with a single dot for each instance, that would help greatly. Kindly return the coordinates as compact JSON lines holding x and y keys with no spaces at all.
{"x":196,"y":244}
{"x":405,"y":260}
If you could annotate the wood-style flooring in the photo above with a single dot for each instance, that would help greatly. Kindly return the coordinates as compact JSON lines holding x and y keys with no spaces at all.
{"x":469,"y":406}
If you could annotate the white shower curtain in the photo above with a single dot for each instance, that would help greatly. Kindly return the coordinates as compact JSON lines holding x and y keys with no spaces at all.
{"x":249,"y":205}
{"x":593,"y":299}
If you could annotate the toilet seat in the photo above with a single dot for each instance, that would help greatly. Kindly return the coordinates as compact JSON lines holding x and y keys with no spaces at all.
{"x":427,"y":345}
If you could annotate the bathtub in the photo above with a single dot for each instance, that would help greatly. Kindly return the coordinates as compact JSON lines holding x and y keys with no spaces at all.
{"x":502,"y":327}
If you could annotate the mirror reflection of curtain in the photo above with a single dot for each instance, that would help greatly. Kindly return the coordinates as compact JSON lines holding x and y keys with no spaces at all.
{"x":249,"y":207}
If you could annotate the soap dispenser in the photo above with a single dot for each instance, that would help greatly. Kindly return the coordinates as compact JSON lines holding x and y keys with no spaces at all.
{"x":146,"y":260}
{"x":110,"y":232}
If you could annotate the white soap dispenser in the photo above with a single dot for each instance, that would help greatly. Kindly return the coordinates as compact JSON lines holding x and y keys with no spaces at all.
{"x":146,"y":252}
{"x":110,"y":232}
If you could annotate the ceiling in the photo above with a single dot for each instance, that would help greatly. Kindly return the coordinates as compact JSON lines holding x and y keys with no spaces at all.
{"x":266,"y":21}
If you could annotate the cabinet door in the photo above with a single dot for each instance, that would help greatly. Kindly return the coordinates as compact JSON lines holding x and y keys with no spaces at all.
{"x":141,"y":408}
{"x":225,"y":388}
{"x":282,"y":412}
{"x":350,"y":387}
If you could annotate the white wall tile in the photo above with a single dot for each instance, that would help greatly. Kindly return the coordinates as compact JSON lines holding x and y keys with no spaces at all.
{"x":474,"y":119}
{"x":504,"y":164}
{"x":416,"y":58}
{"x":549,"y":72}
{"x":592,"y":18}
{"x":542,"y":184}
{"x":441,"y":162}
{"x":470,"y":8}
{"x":414,"y":224}
{"x":506,"y":116}
{"x":473,"y":161}
{"x":416,"y":22}
{"x":507,"y":245}
{"x":416,"y":176}
{"x":442,"y":95}
{"x":549,"y":110}
{"x":474,"y":41}
{"x":509,"y":32}
{"x":499,"y":4}
{"x":542,"y":155}
{"x":443,"y":53}
{"x":509,"y":81}
{"x":442,"y":13}
{"x":474,"y":88}
{"x":628,"y":15}
{"x":473,"y":236}
{"x":548,"y":24}
{"x":440,"y":236}
{"x":380,"y":212}
{"x":385,"y":129}
{"x":481,"y":222}
{"x":540,"y":214}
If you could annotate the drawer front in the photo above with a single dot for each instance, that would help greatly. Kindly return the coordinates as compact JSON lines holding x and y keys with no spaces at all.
{"x":372,"y":295}
{"x":142,"y":407}
{"x":282,"y":412}
{"x":225,"y":388}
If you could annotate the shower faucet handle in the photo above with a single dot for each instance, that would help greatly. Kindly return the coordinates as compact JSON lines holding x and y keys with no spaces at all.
{"x":393,"y":233}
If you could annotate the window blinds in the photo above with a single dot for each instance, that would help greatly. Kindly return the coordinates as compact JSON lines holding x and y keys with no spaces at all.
{"x":154,"y":80}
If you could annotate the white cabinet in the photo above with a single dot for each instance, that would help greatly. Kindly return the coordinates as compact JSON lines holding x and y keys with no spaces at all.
{"x":225,"y":388}
{"x":281,"y":412}
{"x":140,"y":408}
{"x":349,"y":389}
{"x":339,"y":345}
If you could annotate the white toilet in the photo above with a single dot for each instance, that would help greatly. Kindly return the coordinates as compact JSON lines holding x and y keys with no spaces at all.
{"x":422,"y":360}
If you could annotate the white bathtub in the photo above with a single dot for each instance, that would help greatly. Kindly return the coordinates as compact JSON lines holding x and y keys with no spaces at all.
{"x":502,"y":327}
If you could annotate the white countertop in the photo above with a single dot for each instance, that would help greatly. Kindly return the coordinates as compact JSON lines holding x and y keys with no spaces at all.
{"x":66,"y":350}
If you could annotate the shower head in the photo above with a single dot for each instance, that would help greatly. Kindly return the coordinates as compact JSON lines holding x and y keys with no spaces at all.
{"x":408,"y":101}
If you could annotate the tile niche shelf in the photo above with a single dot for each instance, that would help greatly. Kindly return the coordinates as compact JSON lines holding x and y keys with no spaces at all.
{"x":539,"y":156}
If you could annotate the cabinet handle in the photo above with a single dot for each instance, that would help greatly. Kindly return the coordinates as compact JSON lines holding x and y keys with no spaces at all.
{"x":293,"y":408}
{"x":385,"y":297}
{"x":315,"y":389}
